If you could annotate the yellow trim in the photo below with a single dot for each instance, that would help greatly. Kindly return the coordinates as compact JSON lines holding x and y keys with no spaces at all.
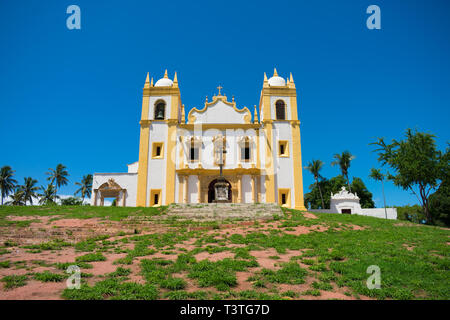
{"x":171,"y":163}
{"x":143,"y":152}
{"x":155,"y":145}
{"x":154,"y":192}
{"x":286,"y":149}
{"x":205,"y":126}
{"x":294,"y":112}
{"x":287,"y":192}
{"x":247,"y":118}
{"x":297,"y":167}
{"x":209,"y":172}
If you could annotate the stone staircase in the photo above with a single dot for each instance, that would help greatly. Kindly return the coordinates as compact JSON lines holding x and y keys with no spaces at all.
{"x":222,"y":211}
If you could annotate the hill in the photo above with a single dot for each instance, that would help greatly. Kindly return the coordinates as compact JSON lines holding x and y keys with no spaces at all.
{"x":142,"y":253}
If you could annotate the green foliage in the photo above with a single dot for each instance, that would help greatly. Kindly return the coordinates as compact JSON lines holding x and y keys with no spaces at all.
{"x":65,"y":265}
{"x":29,"y":189}
{"x":290,"y":273}
{"x":56,"y":244}
{"x":440,"y":204}
{"x":7,"y":182}
{"x":91,"y":257}
{"x":334,"y":185}
{"x":344,"y":160}
{"x":220,"y":274}
{"x":58,"y":177}
{"x":112,"y":289}
{"x":5,"y":264}
{"x":85,"y":185}
{"x":14,"y":281}
{"x":48,"y":195}
{"x":412,"y":213}
{"x":48,"y":276}
{"x":416,"y":164}
{"x":71,"y":201}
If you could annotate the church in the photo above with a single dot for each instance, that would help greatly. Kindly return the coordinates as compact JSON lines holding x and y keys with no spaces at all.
{"x":256,"y":153}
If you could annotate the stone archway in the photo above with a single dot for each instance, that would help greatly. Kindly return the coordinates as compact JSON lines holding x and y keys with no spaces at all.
{"x":211,"y":192}
{"x":110,"y":189}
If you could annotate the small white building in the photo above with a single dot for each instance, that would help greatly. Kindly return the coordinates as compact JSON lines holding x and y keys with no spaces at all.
{"x":348,"y":203}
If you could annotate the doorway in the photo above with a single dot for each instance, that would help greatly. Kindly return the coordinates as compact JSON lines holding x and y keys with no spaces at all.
{"x":212,"y":194}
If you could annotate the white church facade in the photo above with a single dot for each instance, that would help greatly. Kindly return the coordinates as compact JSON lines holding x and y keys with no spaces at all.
{"x":180,"y":155}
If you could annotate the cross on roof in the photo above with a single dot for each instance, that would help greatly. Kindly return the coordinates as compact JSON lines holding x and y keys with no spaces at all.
{"x":220,"y":88}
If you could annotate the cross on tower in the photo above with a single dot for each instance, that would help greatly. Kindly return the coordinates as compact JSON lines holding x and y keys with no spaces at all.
{"x":220,"y":88}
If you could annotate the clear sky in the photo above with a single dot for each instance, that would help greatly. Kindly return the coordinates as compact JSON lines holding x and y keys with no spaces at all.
{"x":74,"y":96}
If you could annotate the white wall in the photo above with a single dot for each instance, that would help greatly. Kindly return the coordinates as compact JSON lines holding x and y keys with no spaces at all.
{"x":133,"y":167}
{"x":283,"y":166}
{"x":124,"y":180}
{"x":157,"y":167}
{"x":193,"y":190}
{"x":219,"y":113}
{"x":380,"y":213}
{"x":372,"y":212}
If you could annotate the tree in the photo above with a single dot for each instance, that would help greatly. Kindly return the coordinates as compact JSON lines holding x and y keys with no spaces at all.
{"x":343,"y":160}
{"x":365,"y":196}
{"x":71,"y":201}
{"x":17,"y":198}
{"x":314,"y":167}
{"x":440,"y":204}
{"x":7,"y":183}
{"x":334,"y":185}
{"x":29,"y":189}
{"x":58,"y":176}
{"x":85,"y":186}
{"x":48,"y":195}
{"x":416,"y":163}
{"x":376,"y":175}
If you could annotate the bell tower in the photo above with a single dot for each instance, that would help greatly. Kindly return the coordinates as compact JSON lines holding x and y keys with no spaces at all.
{"x":282,"y":151}
{"x":161,"y":112}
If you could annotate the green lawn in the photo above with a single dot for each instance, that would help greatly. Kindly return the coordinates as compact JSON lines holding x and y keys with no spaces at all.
{"x":413,"y":259}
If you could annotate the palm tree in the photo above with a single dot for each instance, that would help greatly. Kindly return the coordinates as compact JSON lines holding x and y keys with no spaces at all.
{"x":58,"y":176}
{"x":48,"y":195}
{"x":17,"y":199}
{"x":343,"y":160}
{"x":29,"y":189}
{"x":314,"y":167}
{"x":7,"y":183}
{"x":378,"y":176}
{"x":85,"y":186}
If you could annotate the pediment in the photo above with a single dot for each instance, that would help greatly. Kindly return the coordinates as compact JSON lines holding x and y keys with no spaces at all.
{"x":219,"y":111}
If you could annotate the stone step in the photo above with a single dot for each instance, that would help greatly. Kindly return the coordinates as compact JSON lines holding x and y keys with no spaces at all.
{"x":224,"y":211}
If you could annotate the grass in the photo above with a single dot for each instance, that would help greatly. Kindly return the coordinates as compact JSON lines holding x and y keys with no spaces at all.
{"x":48,"y":276}
{"x":14,"y":281}
{"x":5,"y":264}
{"x":76,"y":212}
{"x":112,"y":289}
{"x":91,"y":257}
{"x":337,"y":257}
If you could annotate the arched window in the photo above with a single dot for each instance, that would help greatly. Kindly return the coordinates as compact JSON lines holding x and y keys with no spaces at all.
{"x":160,"y":109}
{"x":280,"y":108}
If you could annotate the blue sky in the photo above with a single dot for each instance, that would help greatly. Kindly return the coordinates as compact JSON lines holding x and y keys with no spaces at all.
{"x":74,"y":96}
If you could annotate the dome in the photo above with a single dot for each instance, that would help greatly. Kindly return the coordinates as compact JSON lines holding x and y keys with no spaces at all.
{"x":164,"y":82}
{"x":277,"y":81}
